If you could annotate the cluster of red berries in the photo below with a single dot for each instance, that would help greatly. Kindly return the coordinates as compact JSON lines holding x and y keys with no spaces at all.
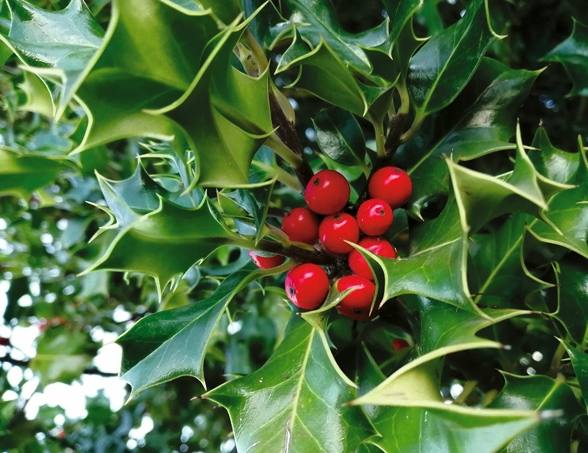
{"x":325,"y":222}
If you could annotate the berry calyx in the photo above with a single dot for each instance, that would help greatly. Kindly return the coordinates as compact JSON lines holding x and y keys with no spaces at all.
{"x":374,"y":217}
{"x":301,"y":225}
{"x":335,"y":229}
{"x":307,"y":286}
{"x":327,"y":192}
{"x":266,"y":262}
{"x":358,"y":303}
{"x":391,"y":184}
{"x":377,"y":246}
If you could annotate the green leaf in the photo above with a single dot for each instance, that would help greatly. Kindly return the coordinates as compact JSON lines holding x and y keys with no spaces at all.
{"x":540,"y":393}
{"x":495,"y":271}
{"x":284,"y":405}
{"x":164,"y":243}
{"x":445,"y":63}
{"x":567,"y":217}
{"x":445,"y":330}
{"x":400,"y":13}
{"x":572,"y":295}
{"x":56,"y":45}
{"x":482,"y":197}
{"x":173,"y":343}
{"x":450,"y":429}
{"x":324,"y":74}
{"x":22,"y":174}
{"x":579,"y":361}
{"x":573,"y":54}
{"x":316,"y":23}
{"x":38,"y":95}
{"x":483,"y":126}
{"x":340,"y":137}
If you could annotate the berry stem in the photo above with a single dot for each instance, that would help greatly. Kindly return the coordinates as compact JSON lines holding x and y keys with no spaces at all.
{"x":298,"y":254}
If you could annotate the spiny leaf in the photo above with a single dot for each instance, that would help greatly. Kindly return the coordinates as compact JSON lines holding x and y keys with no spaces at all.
{"x":316,"y":23}
{"x":572,"y":296}
{"x":573,"y":54}
{"x":57,"y":45}
{"x":445,"y":330}
{"x":165,"y":243}
{"x":482,"y":127}
{"x":283,"y":406}
{"x":173,"y":343}
{"x":579,"y":361}
{"x":540,"y":393}
{"x":445,"y":63}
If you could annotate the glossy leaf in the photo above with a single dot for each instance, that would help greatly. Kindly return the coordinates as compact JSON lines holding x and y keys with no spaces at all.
{"x":445,"y":63}
{"x":579,"y":361}
{"x":495,"y":272}
{"x":540,"y":393}
{"x":164,"y":243}
{"x":316,"y":23}
{"x":445,"y":330}
{"x":173,"y":343}
{"x":484,"y":126}
{"x":572,"y":310}
{"x":340,"y":137}
{"x":57,"y":45}
{"x":573,"y":54}
{"x":22,"y":174}
{"x":323,"y":74}
{"x":400,"y":13}
{"x":283,"y":405}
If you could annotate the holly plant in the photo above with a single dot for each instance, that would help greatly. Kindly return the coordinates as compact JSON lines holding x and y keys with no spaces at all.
{"x":352,"y":233}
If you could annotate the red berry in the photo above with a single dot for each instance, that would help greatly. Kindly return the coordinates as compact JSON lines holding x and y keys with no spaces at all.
{"x":374,"y":217}
{"x":377,"y":246}
{"x":266,"y":262}
{"x":335,"y":229}
{"x":358,"y":303}
{"x":307,"y":286}
{"x":327,"y":192}
{"x":399,"y":344}
{"x":391,"y":184}
{"x":301,"y":225}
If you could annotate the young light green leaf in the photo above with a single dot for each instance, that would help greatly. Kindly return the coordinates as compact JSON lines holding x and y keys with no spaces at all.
{"x":283,"y":405}
{"x":56,"y":45}
{"x":445,"y":63}
{"x":540,"y":393}
{"x":450,"y":429}
{"x":573,"y":54}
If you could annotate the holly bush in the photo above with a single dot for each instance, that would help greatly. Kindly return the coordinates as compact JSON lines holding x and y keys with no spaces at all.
{"x":149,"y":145}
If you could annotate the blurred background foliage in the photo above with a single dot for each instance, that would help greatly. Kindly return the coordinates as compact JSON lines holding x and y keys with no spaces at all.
{"x":57,"y":328}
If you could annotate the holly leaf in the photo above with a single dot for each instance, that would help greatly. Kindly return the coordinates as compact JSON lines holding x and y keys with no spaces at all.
{"x":567,"y":217}
{"x":173,"y":343}
{"x":444,"y":64}
{"x":445,"y":330}
{"x":164,"y":243}
{"x":496,"y":272}
{"x":572,"y":307}
{"x":316,"y":23}
{"x":283,"y":405}
{"x":484,"y":126}
{"x":324,"y":74}
{"x":57,"y":45}
{"x":339,"y":136}
{"x":22,"y":174}
{"x":540,"y":393}
{"x":573,"y":54}
{"x":579,"y":361}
